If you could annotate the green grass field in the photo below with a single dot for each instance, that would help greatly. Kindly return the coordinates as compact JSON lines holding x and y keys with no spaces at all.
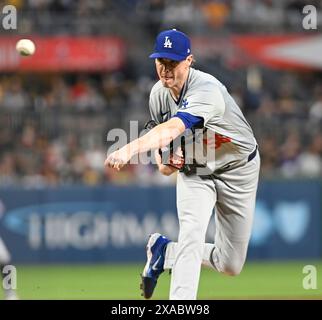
{"x":121,"y":282}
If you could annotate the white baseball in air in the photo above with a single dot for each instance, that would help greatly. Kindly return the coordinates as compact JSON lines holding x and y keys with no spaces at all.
{"x":25,"y":47}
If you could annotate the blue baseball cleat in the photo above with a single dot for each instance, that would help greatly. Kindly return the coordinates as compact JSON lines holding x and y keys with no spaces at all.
{"x":155,"y":251}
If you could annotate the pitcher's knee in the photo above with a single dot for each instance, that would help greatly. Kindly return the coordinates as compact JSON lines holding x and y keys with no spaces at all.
{"x":232,"y":268}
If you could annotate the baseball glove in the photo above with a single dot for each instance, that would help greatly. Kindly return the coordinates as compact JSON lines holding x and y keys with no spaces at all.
{"x":169,"y":157}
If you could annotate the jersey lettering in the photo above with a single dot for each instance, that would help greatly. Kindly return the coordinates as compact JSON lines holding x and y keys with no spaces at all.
{"x":217,"y":140}
{"x":184,"y":104}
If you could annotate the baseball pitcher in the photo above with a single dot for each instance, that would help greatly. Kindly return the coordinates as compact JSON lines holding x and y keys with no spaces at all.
{"x":187,"y":99}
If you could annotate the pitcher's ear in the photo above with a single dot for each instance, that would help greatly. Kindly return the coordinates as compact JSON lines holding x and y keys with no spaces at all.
{"x":191,"y":59}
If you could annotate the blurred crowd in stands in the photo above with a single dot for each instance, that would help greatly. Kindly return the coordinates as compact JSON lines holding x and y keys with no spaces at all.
{"x":53,"y":126}
{"x":54,"y":132}
{"x":88,"y":16}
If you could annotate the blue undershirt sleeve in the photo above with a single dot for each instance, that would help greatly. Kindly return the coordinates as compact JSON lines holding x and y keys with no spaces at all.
{"x":188,"y":119}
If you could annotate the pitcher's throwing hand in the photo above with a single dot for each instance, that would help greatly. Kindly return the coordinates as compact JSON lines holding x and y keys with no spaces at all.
{"x":119,"y":158}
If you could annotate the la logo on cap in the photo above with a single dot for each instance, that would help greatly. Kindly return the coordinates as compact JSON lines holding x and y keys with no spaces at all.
{"x":167,"y":43}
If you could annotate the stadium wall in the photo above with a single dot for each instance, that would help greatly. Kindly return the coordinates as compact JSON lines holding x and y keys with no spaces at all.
{"x":111,"y":224}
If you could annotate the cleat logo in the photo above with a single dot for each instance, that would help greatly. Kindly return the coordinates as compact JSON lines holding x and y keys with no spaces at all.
{"x":155,"y":264}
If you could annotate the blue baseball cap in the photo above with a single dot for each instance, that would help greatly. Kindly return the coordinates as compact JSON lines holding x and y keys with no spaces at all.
{"x":172,"y":44}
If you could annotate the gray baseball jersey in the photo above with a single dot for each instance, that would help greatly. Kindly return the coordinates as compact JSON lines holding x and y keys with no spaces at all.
{"x":205,"y":101}
{"x":206,"y":97}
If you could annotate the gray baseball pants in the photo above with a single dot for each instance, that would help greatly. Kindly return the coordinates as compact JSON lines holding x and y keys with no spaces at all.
{"x":233,"y":195}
